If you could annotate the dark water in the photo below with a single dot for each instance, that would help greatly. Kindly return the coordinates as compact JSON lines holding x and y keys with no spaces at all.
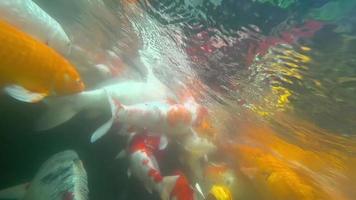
{"x":23,"y":150}
{"x":279,"y":77}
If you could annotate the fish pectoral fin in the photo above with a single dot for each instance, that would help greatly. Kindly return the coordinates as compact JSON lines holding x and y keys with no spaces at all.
{"x":102,"y":130}
{"x":15,"y":192}
{"x":22,"y":94}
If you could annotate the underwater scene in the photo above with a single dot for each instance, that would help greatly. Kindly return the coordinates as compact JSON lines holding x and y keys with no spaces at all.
{"x":178,"y":99}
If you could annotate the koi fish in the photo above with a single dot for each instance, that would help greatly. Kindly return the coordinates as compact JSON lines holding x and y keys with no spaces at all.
{"x":182,"y":189}
{"x":173,"y":120}
{"x":28,"y":17}
{"x":142,"y":151}
{"x":156,"y":116}
{"x":62,"y":109}
{"x":143,"y":164}
{"x":62,"y":177}
{"x":30,"y":71}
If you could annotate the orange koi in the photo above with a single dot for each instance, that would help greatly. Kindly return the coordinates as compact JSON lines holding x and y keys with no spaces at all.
{"x":30,"y":70}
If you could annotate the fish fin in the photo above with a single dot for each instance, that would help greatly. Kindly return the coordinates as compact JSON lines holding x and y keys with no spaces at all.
{"x":22,"y":94}
{"x":121,"y":154}
{"x":163,"y":142}
{"x":200,"y":191}
{"x":168,"y":184}
{"x":103,"y":69}
{"x":15,"y":192}
{"x":60,"y":110}
{"x":63,"y":108}
{"x":102,"y":130}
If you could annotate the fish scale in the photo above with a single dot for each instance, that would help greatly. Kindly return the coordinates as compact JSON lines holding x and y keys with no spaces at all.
{"x":33,"y":65}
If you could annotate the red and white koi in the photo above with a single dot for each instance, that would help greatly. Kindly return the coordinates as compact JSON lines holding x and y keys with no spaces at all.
{"x":182,"y":189}
{"x":143,"y":165}
{"x":157,"y":116}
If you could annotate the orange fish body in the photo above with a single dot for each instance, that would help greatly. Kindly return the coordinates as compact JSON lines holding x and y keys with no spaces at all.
{"x":34,"y":66}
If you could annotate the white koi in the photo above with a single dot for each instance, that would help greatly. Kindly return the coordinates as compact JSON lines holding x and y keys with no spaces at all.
{"x":27,"y":16}
{"x":62,"y":109}
{"x":62,"y":177}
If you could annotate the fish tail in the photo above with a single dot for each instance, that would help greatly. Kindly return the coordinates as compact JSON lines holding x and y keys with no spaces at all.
{"x":62,"y":109}
{"x":114,"y":105}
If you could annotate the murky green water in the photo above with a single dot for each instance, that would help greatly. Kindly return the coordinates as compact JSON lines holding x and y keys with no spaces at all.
{"x":279,"y":78}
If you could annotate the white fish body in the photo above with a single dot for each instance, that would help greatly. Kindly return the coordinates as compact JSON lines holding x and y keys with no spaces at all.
{"x":61,"y":177}
{"x":153,"y":116}
{"x":143,"y":165}
{"x":61,"y":109}
{"x":134,"y":92}
{"x":145,"y":168}
{"x":27,"y":16}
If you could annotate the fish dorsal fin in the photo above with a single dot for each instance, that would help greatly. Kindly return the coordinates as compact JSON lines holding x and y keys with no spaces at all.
{"x":15,"y":192}
{"x":22,"y":94}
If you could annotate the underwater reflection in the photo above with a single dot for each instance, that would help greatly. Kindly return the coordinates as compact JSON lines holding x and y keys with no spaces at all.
{"x":316,"y":164}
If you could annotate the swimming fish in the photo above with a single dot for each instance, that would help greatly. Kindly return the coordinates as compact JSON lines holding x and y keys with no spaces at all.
{"x":182,"y":189}
{"x":30,"y":71}
{"x":156,"y":116}
{"x":28,"y":17}
{"x":62,"y":109}
{"x":173,"y":120}
{"x":143,"y":164}
{"x":62,"y":177}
